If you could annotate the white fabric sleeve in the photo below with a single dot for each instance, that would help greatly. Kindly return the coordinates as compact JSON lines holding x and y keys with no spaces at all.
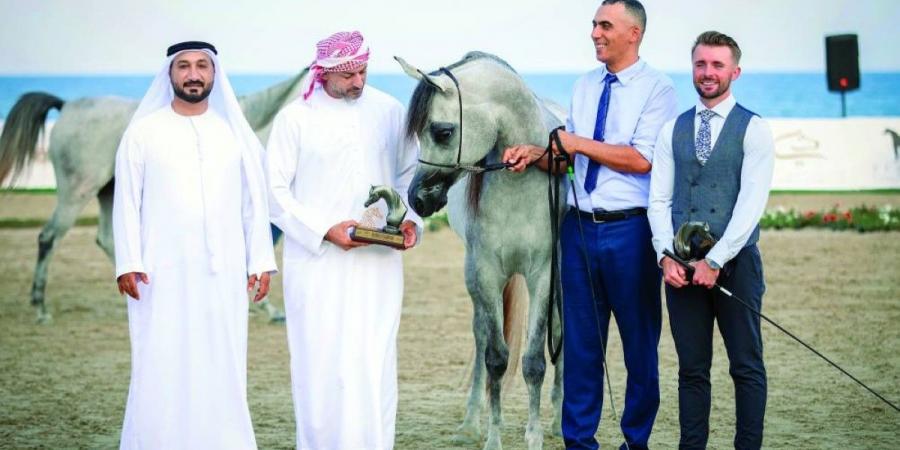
{"x":662,"y":184}
{"x":126,"y":213}
{"x":407,"y":161}
{"x":756,"y":179}
{"x":660,"y":108}
{"x":299,"y":222}
{"x":257,"y":232}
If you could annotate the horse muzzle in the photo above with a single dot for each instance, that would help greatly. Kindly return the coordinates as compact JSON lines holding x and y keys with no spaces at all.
{"x":428,"y":192}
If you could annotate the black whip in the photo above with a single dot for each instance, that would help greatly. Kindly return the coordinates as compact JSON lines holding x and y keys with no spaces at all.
{"x":729,"y":294}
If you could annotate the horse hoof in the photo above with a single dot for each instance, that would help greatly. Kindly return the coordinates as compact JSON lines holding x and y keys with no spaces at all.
{"x":493,"y":442}
{"x":466,"y":437}
{"x":44,"y":319}
{"x":534,"y":439}
{"x":277,"y":318}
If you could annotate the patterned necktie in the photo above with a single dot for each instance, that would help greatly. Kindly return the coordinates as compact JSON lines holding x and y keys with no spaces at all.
{"x":704,"y":137}
{"x":590,"y":179}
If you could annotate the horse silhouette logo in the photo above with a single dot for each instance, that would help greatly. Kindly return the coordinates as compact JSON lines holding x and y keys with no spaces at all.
{"x":896,"y":138}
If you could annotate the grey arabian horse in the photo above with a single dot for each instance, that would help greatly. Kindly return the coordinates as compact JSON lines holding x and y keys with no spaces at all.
{"x":82,"y":149}
{"x":505,"y":219}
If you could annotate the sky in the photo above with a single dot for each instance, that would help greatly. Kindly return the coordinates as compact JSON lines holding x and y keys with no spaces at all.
{"x":278,"y":37}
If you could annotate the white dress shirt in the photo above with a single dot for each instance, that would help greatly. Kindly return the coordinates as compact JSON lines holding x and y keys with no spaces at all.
{"x":641,"y":101}
{"x":756,"y":179}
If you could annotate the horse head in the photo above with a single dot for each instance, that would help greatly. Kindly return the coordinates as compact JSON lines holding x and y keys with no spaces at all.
{"x":374,"y":195}
{"x":693,"y":240}
{"x":452,"y":142}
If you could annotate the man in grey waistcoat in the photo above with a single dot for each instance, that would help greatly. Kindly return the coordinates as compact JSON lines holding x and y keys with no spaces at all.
{"x":713,"y":164}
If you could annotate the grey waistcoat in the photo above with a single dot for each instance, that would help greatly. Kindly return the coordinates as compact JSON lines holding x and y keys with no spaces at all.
{"x":707,"y":193}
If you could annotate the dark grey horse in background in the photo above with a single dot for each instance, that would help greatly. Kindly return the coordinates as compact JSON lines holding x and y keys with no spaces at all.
{"x":82,"y":149}
{"x":895,"y":140}
{"x":505,"y":220}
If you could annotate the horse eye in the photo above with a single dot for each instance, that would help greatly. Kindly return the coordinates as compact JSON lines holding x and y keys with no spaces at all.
{"x":442,"y":131}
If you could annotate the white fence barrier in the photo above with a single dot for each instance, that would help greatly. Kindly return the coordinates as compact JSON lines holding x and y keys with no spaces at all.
{"x":810,"y":154}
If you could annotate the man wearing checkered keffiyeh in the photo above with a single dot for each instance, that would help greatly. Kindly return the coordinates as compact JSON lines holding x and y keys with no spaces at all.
{"x":342,"y":297}
{"x":341,"y":52}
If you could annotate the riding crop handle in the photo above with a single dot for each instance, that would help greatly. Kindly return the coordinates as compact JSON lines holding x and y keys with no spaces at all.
{"x":687,"y":266}
{"x":729,"y":294}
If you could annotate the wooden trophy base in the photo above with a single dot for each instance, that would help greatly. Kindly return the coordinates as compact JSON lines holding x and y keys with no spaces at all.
{"x":374,"y":236}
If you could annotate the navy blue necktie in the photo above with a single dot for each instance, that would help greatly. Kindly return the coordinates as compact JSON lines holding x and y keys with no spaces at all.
{"x":590,"y":179}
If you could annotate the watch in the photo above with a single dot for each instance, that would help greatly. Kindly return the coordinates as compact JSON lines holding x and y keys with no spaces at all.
{"x":712,"y":264}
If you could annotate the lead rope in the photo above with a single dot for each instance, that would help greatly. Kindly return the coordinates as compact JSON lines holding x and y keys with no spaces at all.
{"x":554,"y":221}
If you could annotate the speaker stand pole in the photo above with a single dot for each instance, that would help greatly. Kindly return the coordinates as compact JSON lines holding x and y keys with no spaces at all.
{"x":843,"y":104}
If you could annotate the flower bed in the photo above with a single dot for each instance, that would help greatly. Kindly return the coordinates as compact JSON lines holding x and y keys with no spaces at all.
{"x":861,"y":218}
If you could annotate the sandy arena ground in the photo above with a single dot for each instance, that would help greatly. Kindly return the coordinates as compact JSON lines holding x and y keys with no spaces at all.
{"x":64,"y":385}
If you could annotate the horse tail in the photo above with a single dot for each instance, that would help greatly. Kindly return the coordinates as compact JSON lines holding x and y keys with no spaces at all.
{"x":515,"y":306}
{"x":21,"y":131}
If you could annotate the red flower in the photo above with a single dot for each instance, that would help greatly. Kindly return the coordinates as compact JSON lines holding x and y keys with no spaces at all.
{"x":829,"y":217}
{"x":848,"y":216}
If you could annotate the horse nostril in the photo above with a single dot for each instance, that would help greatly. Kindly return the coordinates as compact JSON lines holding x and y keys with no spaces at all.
{"x":418,"y":205}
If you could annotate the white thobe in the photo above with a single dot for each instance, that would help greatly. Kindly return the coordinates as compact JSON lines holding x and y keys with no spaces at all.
{"x":343,"y":307}
{"x":180,"y":214}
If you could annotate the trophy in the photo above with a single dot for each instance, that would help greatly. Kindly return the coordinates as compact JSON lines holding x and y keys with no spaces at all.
{"x":368,"y":231}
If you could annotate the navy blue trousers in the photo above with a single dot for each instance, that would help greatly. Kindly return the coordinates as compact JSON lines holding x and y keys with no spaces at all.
{"x":692,"y":310}
{"x":622,"y":265}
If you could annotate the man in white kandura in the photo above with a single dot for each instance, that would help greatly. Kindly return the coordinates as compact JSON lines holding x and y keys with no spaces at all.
{"x":190,"y":221}
{"x":342,"y":297}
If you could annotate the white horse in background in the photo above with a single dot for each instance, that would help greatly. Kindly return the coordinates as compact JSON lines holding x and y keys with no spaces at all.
{"x":82,"y":149}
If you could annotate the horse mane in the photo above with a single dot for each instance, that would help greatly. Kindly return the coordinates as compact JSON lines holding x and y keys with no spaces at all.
{"x":420,"y":103}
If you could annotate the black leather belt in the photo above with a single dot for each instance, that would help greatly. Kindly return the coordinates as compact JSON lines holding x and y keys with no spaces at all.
{"x":601,"y":216}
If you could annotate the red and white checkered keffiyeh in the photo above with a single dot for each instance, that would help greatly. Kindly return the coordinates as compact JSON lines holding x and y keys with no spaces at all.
{"x":341,"y":52}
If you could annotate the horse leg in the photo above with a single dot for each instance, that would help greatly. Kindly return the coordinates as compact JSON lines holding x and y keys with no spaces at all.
{"x":275,"y":314}
{"x":556,"y":395}
{"x":104,"y":221}
{"x":496,"y":356}
{"x":67,"y":208}
{"x":469,"y":432}
{"x":534,"y":363}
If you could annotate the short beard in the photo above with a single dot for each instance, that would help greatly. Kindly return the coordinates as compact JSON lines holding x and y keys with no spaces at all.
{"x":723,"y":88}
{"x":192,"y":98}
{"x":349,"y":94}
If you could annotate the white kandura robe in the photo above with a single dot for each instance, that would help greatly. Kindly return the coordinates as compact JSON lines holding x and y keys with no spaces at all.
{"x":181,"y":214}
{"x":343,"y":307}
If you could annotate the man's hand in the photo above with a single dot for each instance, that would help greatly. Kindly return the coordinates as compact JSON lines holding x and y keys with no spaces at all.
{"x":704,"y":275}
{"x":264,"y":280}
{"x":673,"y":273}
{"x":128,"y":283}
{"x":520,"y":156}
{"x":569,"y":142}
{"x":339,"y":235}
{"x":408,"y":228}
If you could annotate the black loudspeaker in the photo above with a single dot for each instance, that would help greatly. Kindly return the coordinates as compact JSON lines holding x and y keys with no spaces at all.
{"x":842,"y":61}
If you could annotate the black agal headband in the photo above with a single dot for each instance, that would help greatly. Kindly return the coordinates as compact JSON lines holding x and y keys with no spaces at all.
{"x":190,"y":45}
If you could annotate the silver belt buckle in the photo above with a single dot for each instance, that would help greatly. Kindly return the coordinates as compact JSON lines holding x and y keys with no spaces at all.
{"x":594,"y":217}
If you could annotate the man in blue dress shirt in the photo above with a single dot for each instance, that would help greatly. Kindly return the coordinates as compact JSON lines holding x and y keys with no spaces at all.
{"x":714,"y":164}
{"x":617,"y":111}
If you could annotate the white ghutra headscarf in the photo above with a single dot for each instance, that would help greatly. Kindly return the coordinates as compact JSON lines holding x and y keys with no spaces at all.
{"x":223,"y":101}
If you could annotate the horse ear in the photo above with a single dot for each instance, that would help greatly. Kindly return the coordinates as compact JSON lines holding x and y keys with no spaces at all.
{"x":419,"y":75}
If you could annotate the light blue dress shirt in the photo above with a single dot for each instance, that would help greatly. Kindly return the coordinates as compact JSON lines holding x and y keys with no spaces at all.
{"x":756,"y":179}
{"x":642,"y":100}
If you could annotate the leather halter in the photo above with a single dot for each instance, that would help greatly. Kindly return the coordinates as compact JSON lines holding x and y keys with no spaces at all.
{"x":478,"y":167}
